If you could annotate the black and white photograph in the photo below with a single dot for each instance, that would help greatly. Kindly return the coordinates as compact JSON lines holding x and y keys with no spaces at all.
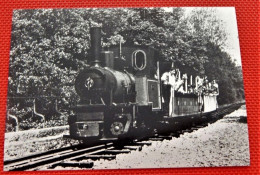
{"x":125,"y":88}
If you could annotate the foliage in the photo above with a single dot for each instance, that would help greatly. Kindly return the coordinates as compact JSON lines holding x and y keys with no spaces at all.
{"x":49,"y":47}
{"x":220,"y":67}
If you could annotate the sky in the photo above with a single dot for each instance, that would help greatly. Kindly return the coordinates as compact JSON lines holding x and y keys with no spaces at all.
{"x":228,"y":16}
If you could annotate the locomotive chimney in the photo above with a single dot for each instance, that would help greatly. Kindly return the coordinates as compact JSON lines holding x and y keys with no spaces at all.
{"x":95,"y":36}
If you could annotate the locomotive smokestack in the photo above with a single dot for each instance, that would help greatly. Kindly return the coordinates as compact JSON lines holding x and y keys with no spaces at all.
{"x":95,"y":36}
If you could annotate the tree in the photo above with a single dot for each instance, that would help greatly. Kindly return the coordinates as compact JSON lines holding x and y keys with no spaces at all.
{"x":220,"y":67}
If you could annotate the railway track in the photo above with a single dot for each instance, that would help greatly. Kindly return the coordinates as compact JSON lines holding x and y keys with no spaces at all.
{"x":84,"y":156}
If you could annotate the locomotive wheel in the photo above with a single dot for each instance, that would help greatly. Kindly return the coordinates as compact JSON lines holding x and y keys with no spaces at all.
{"x":117,"y":128}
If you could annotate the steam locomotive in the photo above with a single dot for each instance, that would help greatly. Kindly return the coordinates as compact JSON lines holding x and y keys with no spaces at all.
{"x":121,"y":94}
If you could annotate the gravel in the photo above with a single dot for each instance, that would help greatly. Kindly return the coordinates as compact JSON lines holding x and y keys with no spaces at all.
{"x":223,"y":143}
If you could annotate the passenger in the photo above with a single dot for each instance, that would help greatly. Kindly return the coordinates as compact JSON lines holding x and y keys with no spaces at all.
{"x":168,"y":85}
{"x":209,"y":87}
{"x":199,"y":89}
{"x":166,"y":88}
{"x":172,"y":82}
{"x":214,"y":87}
{"x":179,"y":82}
{"x":199,"y":84}
{"x":190,"y":89}
{"x":191,"y":86}
{"x":215,"y":92}
{"x":206,"y":87}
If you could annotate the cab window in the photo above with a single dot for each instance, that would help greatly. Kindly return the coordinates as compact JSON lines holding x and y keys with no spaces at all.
{"x":139,"y":59}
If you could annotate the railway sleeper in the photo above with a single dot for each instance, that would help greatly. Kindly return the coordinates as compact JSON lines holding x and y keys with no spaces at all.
{"x":165,"y":137}
{"x":74,"y":164}
{"x":139,"y":148}
{"x":141,"y":144}
{"x":113,"y":151}
{"x":176,"y":134}
{"x":97,"y":157}
{"x":156,"y":139}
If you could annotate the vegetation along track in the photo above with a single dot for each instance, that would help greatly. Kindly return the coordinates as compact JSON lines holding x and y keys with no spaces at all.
{"x":71,"y":156}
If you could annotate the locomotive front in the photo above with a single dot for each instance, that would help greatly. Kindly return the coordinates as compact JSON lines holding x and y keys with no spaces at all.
{"x":105,"y":110}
